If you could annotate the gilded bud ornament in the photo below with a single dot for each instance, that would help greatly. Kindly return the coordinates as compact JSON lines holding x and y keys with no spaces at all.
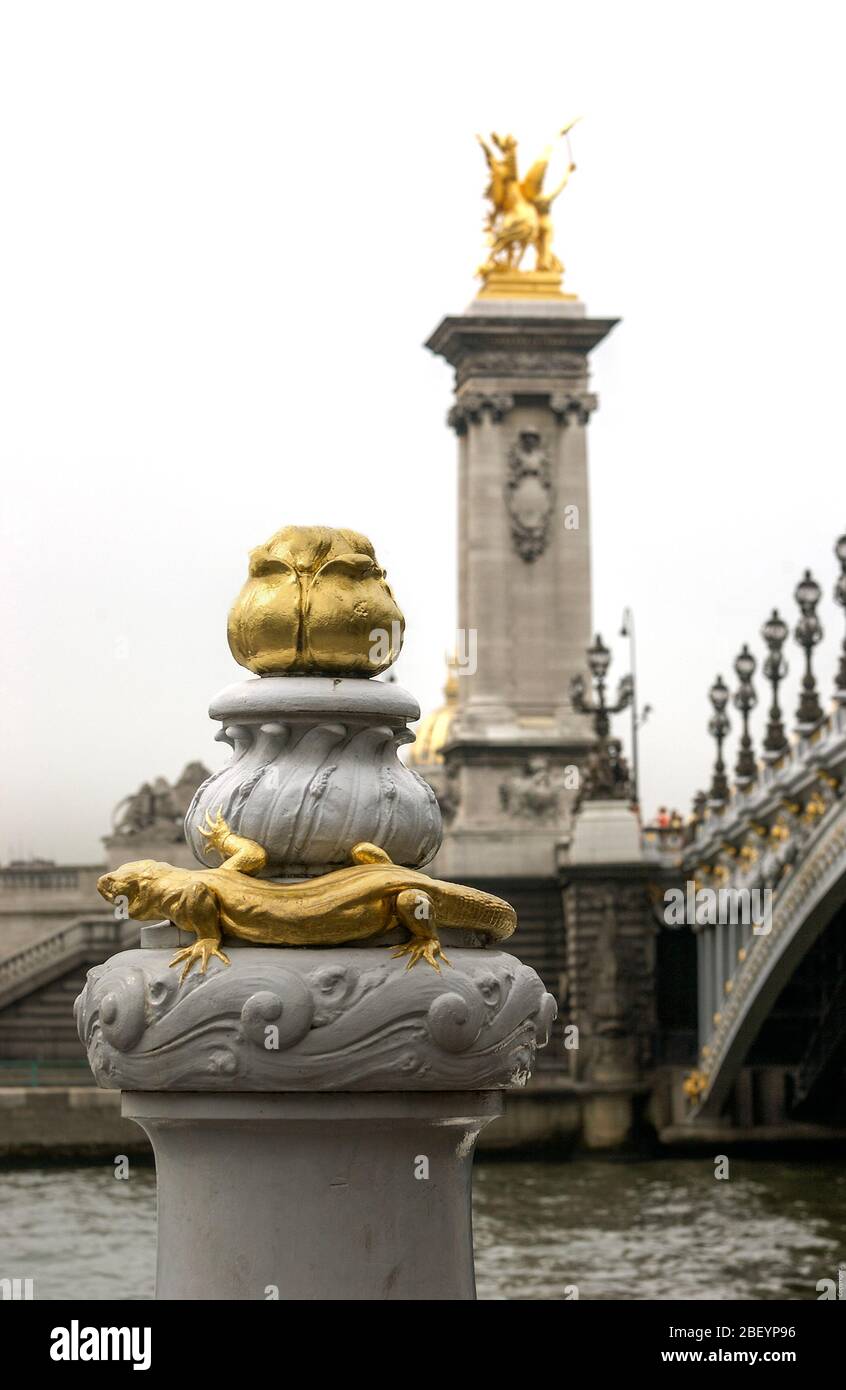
{"x":315,"y":602}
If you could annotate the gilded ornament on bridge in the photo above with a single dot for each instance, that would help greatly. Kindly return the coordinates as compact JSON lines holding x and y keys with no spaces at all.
{"x":520,"y":218}
{"x":815,"y":807}
{"x":316,"y":602}
{"x":694,"y":1084}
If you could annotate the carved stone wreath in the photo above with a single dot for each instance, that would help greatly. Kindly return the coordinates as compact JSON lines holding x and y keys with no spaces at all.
{"x":529,"y":495}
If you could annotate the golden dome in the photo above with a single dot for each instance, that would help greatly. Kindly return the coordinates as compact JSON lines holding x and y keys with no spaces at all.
{"x":433,"y":730}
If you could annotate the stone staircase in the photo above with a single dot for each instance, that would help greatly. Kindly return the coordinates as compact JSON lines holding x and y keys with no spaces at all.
{"x":85,"y":941}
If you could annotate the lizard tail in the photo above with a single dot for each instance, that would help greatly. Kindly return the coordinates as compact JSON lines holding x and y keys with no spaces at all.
{"x":471,"y":909}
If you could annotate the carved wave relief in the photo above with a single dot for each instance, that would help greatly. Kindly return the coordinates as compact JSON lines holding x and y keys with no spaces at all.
{"x":281,"y":1020}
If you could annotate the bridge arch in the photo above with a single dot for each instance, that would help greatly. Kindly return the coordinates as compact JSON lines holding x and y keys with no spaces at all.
{"x":809,"y":900}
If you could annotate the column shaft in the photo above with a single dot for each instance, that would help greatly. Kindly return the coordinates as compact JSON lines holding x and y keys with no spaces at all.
{"x":332,"y":1196}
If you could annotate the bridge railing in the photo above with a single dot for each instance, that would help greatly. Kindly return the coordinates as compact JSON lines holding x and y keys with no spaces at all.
{"x":91,"y":938}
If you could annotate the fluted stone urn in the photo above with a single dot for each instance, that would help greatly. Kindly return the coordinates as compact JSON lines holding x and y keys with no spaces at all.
{"x":313,"y":1107}
{"x":314,"y":770}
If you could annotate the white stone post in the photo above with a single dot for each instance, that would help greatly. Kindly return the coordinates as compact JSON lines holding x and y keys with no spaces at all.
{"x":313,"y":1110}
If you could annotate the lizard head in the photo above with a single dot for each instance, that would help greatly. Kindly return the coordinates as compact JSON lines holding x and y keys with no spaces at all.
{"x":135,"y":882}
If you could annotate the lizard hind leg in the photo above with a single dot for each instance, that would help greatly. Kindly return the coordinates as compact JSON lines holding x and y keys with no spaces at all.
{"x":365,"y":853}
{"x":237,"y":852}
{"x":416,"y":911}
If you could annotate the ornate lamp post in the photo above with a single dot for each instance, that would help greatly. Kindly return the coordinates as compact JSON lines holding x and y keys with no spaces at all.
{"x":639,"y":717}
{"x":808,"y":633}
{"x":774,"y":633}
{"x":599,"y":659}
{"x":718,"y":727}
{"x":605,"y":773}
{"x":840,"y":597}
{"x":745,"y":700}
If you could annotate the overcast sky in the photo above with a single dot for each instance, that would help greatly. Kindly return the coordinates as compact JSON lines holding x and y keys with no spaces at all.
{"x":227,"y":230}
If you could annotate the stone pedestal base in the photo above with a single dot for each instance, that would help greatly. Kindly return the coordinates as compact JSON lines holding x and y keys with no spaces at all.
{"x":313,"y":1112}
{"x":334,"y":1196}
{"x":606,"y":832}
{"x":503,"y":283}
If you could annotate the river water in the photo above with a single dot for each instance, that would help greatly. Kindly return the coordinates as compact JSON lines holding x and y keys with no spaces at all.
{"x":656,"y":1229}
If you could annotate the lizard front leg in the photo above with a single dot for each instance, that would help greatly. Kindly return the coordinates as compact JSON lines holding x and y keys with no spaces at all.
{"x":416,"y":911}
{"x":198,"y":912}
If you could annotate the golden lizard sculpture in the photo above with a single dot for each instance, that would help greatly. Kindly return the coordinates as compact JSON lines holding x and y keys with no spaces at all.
{"x":365,"y":900}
